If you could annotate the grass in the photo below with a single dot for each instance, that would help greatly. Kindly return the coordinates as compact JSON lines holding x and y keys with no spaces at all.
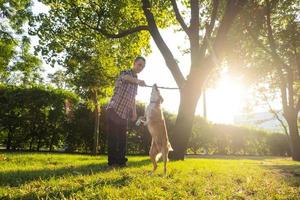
{"x":62,"y":176}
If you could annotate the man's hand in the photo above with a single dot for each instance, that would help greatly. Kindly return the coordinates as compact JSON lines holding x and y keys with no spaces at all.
{"x":141,"y":83}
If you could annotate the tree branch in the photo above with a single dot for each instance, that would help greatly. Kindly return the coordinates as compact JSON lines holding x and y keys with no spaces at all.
{"x":272,"y":52}
{"x":8,"y":35}
{"x":194,"y":33}
{"x":297,"y":60}
{"x":279,"y":61}
{"x":269,"y":28}
{"x":284,"y":97}
{"x":298,"y":105}
{"x":257,"y":41}
{"x":271,"y":39}
{"x":290,"y":78}
{"x":209,"y":28}
{"x":162,"y":46}
{"x":276,"y":115}
{"x":120,"y":34}
{"x":217,"y":48}
{"x":179,"y":17}
{"x":194,"y":27}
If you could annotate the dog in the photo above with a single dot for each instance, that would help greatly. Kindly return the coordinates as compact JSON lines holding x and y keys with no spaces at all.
{"x":154,"y":120}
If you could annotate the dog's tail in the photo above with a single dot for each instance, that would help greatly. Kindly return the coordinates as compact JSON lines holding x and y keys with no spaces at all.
{"x":170,"y":147}
{"x":158,"y":156}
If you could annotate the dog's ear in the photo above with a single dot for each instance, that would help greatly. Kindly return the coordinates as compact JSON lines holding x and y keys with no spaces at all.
{"x":161,"y":99}
{"x":155,"y":86}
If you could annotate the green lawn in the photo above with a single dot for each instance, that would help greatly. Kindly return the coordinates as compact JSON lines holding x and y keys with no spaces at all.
{"x":62,"y":176}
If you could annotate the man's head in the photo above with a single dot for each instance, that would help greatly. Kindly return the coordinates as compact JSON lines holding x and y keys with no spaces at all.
{"x":139,"y":64}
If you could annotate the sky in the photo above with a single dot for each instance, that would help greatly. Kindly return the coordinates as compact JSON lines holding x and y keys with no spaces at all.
{"x":224,"y":101}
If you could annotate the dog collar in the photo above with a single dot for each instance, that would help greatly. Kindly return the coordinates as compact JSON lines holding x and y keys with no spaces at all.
{"x":154,"y":101}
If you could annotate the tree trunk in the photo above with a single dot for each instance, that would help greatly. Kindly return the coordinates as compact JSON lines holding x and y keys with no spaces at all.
{"x":38,"y":145}
{"x":31,"y":143}
{"x":51,"y":143}
{"x":9,"y":139}
{"x":189,"y":97}
{"x":204,"y":105}
{"x":96,"y":124}
{"x":294,"y":137}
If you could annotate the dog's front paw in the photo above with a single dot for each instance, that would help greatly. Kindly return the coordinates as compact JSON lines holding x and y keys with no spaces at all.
{"x":138,"y":122}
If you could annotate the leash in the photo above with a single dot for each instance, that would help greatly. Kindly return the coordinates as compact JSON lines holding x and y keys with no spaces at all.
{"x":160,"y":87}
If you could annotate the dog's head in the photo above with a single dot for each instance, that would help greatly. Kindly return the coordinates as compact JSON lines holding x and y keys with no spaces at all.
{"x":155,"y":95}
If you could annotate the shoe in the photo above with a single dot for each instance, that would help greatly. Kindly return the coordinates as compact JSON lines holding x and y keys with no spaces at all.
{"x":123,"y":162}
{"x":123,"y":165}
{"x":112,"y":166}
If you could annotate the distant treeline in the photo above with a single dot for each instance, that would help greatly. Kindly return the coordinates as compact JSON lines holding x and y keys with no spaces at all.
{"x":43,"y":118}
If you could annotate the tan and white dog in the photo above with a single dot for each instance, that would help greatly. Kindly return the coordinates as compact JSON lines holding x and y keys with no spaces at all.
{"x":154,"y":120}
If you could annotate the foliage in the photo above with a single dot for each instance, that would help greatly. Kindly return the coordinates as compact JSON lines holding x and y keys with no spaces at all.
{"x":40,"y":118}
{"x":208,"y":138}
{"x":252,"y":54}
{"x":15,"y":57}
{"x":269,"y":45}
{"x":91,"y":61}
{"x":33,"y":118}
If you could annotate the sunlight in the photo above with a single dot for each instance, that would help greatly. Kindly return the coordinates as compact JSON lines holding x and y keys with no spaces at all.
{"x":225,"y":100}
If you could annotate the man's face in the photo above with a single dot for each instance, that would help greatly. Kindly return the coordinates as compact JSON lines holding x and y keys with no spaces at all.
{"x":139,"y":65}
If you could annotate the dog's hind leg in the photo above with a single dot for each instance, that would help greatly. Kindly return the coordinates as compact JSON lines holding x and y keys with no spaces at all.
{"x":153,"y":153}
{"x":165,"y":159}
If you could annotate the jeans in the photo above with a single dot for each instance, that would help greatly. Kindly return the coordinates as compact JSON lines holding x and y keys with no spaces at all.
{"x":116,"y":140}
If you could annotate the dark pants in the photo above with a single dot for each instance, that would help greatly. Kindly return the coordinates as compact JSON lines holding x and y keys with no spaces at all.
{"x":116,"y":140}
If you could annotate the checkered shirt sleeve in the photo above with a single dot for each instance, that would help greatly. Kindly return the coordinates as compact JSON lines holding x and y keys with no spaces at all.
{"x":123,"y":99}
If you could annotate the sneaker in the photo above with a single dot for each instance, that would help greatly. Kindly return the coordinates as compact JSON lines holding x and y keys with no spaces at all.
{"x":112,"y":166}
{"x":123,"y":165}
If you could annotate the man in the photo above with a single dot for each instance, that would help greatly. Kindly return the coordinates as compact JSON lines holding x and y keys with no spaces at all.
{"x":121,"y":108}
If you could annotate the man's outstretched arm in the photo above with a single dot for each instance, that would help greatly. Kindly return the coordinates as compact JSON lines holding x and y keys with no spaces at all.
{"x":133,"y":80}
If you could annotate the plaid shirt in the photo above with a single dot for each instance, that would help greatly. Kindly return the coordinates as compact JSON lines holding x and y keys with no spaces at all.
{"x":123,"y":100}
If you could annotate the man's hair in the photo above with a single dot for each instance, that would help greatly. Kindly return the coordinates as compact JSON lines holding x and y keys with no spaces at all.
{"x":139,"y":58}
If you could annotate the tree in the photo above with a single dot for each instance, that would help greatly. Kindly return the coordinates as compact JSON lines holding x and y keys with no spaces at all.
{"x":80,"y":130}
{"x":202,"y":136}
{"x":209,"y":25}
{"x":27,"y":67}
{"x":91,"y":61}
{"x":12,"y":16}
{"x":15,"y":56}
{"x":58,"y":79}
{"x":91,"y":79}
{"x":271,"y":50}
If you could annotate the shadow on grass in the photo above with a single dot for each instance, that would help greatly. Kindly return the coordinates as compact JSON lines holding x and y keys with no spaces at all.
{"x":290,"y":173}
{"x":19,"y":177}
{"x":58,"y":193}
{"x":234,"y":157}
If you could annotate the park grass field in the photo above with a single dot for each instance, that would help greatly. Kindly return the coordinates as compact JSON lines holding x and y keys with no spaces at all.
{"x":63,"y":176}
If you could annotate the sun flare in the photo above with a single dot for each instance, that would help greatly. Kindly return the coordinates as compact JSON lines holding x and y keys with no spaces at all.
{"x":225,"y":100}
